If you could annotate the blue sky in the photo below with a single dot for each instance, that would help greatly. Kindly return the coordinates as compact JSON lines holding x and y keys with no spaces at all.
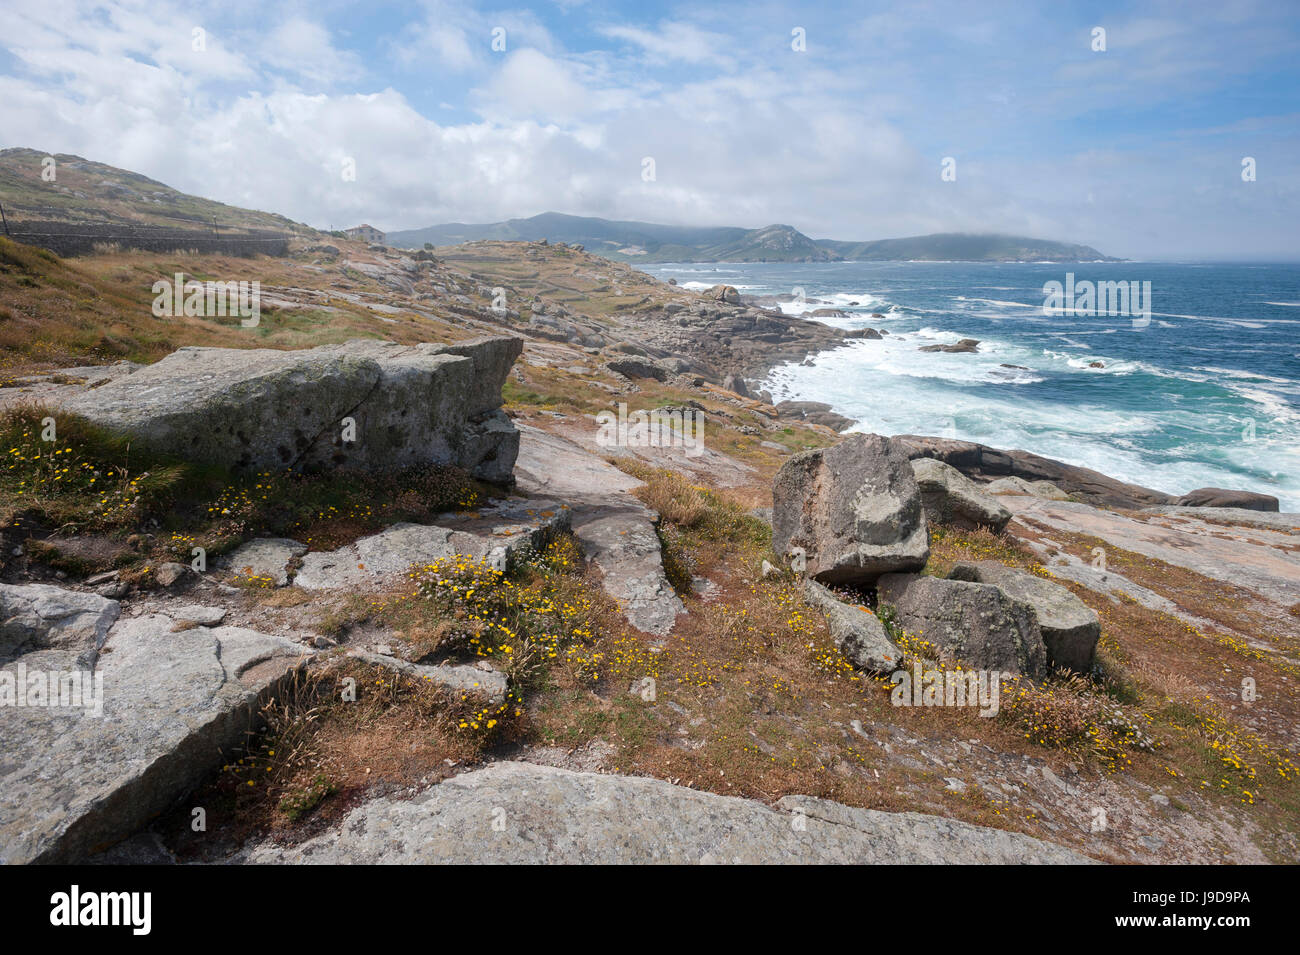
{"x":1136,"y":149}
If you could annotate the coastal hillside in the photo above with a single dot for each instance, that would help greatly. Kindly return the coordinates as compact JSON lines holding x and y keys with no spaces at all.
{"x":65,"y":188}
{"x":601,"y":562}
{"x":647,"y":242}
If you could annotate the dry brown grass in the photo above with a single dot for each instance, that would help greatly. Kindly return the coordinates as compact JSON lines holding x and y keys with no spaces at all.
{"x":320,"y":754}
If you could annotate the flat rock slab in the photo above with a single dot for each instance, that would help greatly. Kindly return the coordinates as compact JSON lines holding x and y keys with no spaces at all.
{"x":622,"y":541}
{"x":174,"y":702}
{"x":617,"y":532}
{"x":45,"y":617}
{"x":501,"y":531}
{"x":1251,"y":557}
{"x":557,"y":816}
{"x":196,"y":614}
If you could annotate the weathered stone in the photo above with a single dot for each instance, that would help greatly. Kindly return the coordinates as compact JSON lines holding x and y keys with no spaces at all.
{"x":736,"y":384}
{"x":196,"y":614}
{"x":265,"y":559}
{"x":625,"y":546}
{"x":856,"y":631}
{"x":499,"y":532}
{"x":262,"y":408}
{"x":557,"y":816}
{"x":1070,"y":629}
{"x":175,"y":702}
{"x":1014,"y":485}
{"x":949,"y":497}
{"x":170,"y":572}
{"x":638,"y":368}
{"x":723,"y":293}
{"x":616,"y":531}
{"x":44,"y":617}
{"x":814,"y":412}
{"x":854,"y":508}
{"x":977,"y":623}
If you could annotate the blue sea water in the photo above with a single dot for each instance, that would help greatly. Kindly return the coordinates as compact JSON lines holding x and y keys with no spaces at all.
{"x":1205,"y":393}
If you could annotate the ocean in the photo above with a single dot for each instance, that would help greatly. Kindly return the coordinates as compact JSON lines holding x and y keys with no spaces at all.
{"x":1205,"y":392}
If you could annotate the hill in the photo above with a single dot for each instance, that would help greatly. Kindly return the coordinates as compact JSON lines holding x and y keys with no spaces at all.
{"x":651,"y":242}
{"x":84,"y":191}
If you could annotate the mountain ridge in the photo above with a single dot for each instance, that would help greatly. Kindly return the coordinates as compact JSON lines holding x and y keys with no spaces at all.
{"x":633,"y":241}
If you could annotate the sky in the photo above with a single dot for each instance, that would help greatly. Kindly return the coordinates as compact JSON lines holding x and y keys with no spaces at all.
{"x":1124,"y":126}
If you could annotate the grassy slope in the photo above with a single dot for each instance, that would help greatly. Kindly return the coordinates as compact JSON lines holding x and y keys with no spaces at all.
{"x":87,"y":191}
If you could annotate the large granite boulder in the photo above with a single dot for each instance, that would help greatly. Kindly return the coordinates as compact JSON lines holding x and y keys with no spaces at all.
{"x":174,"y":702}
{"x":856,"y":631}
{"x":1222,"y":497}
{"x":977,"y":623}
{"x":949,"y":497}
{"x":262,"y":408}
{"x":512,"y":813}
{"x":1069,"y":627}
{"x":43,"y":617}
{"x":855,"y":510}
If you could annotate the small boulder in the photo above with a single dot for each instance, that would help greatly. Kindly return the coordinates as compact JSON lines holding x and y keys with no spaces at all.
{"x":977,"y":623}
{"x":949,"y":497}
{"x":637,"y":368}
{"x":854,"y":508}
{"x":857,"y":632}
{"x":170,"y":572}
